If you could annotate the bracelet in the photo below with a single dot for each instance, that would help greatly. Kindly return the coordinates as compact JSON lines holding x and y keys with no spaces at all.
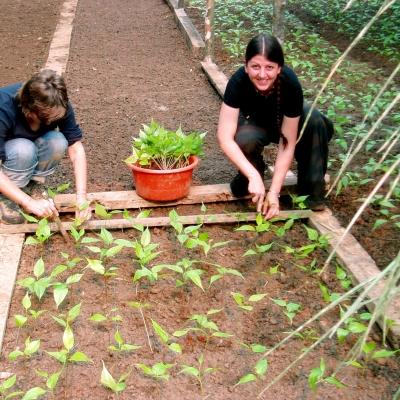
{"x":275,"y":193}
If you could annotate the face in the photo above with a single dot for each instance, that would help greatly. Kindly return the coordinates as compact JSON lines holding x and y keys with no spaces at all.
{"x":49,"y":115}
{"x":262,"y":72}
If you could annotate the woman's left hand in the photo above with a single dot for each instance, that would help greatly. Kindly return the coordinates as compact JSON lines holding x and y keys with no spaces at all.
{"x":270,"y":207}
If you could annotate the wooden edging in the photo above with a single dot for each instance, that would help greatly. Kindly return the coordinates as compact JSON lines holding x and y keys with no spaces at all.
{"x":10,"y":253}
{"x":192,"y":37}
{"x":359,"y":265}
{"x":130,"y":199}
{"x":156,"y":221}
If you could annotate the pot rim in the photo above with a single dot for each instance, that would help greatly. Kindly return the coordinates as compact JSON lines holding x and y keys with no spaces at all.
{"x":194,"y":160}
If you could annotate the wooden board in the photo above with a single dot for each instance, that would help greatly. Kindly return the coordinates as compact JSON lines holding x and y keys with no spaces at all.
{"x":10,"y":253}
{"x":358,"y":263}
{"x":154,"y":221}
{"x":130,"y":200}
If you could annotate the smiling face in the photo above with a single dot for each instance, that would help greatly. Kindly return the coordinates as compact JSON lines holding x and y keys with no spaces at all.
{"x":262,"y":72}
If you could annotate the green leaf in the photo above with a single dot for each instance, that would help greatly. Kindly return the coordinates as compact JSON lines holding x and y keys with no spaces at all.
{"x":73,"y":279}
{"x":26,"y":301}
{"x":334,"y":381}
{"x":188,"y":370}
{"x":34,"y":393}
{"x":74,"y":312}
{"x":107,"y":380}
{"x":96,"y":266}
{"x":246,"y":379}
{"x":194,"y":276}
{"x":20,"y":320}
{"x":60,"y":291}
{"x":53,"y":380}
{"x":258,"y":348}
{"x":15,"y":354}
{"x":60,"y":356}
{"x":257,"y":297}
{"x":8,"y":383}
{"x":98,"y":318}
{"x":250,"y":252}
{"x":31,"y":347}
{"x":261,"y":367}
{"x":38,"y":269}
{"x":79,"y":357}
{"x":176,"y":348}
{"x":162,"y":334}
{"x":68,"y":338}
{"x":383,"y":354}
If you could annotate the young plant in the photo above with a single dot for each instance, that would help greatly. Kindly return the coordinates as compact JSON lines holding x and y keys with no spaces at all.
{"x":22,"y":319}
{"x":157,"y":371}
{"x":259,"y":250}
{"x":165,"y":338}
{"x":99,"y":318}
{"x":51,"y":379}
{"x":198,"y":373}
{"x":67,"y":319}
{"x":31,"y":347}
{"x":259,"y":372}
{"x":207,"y":328}
{"x":109,"y":382}
{"x":298,"y":201}
{"x":317,"y":377}
{"x":120,"y":344}
{"x":289,"y":309}
{"x":42,"y":233}
{"x":67,"y":353}
{"x":243,"y":303}
{"x":102,"y":212}
{"x":262,"y":225}
{"x":6,"y":386}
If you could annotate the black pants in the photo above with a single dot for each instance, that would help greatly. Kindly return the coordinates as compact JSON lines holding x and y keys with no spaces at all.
{"x":311,"y":151}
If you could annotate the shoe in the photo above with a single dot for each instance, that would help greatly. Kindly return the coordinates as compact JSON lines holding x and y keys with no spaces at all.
{"x":239,"y":185}
{"x":10,"y":212}
{"x":315,"y":204}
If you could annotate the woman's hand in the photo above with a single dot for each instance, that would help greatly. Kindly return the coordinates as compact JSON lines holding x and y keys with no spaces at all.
{"x":257,"y":190}
{"x":83,"y":210}
{"x":270,"y":207}
{"x":42,"y":208}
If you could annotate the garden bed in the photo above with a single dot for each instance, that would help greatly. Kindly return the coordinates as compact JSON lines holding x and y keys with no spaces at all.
{"x":280,"y":274}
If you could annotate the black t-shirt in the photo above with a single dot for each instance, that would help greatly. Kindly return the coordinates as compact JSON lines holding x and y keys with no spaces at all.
{"x":263,"y":109}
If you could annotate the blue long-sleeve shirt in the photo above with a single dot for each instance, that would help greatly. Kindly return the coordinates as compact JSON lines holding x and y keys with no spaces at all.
{"x":13,"y":123}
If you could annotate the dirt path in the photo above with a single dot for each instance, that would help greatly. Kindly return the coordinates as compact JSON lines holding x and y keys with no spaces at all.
{"x":129,"y":64}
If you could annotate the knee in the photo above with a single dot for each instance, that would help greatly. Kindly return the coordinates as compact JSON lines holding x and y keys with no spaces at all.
{"x":250,"y":140}
{"x":21,"y":154}
{"x":53,"y":144}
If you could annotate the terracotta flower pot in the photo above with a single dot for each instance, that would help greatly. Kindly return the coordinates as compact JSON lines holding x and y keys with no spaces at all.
{"x":163,"y":185}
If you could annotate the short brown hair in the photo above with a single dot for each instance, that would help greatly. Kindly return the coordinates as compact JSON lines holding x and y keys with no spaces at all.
{"x":46,"y":89}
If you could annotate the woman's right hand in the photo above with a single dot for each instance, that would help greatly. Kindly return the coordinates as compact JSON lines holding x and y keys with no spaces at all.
{"x":257,"y":190}
{"x":42,"y":208}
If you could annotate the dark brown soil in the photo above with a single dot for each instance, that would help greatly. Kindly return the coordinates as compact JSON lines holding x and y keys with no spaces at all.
{"x":129,"y":64}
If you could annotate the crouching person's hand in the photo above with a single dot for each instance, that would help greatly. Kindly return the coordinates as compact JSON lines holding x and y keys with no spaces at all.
{"x":83,"y":210}
{"x":42,"y":208}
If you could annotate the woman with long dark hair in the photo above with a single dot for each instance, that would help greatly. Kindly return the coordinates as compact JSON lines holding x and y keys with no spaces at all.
{"x":263,"y":103}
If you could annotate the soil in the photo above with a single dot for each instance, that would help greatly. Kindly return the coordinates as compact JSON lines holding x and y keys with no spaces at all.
{"x":129,"y":64}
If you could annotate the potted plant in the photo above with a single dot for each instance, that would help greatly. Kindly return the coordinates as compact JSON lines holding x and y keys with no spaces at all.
{"x":162,"y":162}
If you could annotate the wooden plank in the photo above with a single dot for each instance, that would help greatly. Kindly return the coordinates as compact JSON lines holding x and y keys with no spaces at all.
{"x":358,"y":263}
{"x":216,"y":77}
{"x":154,"y":221}
{"x":130,"y":200}
{"x":10,"y":253}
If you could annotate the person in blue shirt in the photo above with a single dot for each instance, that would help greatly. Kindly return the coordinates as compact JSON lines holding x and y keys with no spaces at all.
{"x":263,"y":103}
{"x":37,"y":127}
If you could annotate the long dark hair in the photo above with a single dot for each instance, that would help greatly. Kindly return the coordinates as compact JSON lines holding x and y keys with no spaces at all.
{"x":268,"y":46}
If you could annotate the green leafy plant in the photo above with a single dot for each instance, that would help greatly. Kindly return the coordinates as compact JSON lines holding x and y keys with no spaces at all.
{"x":259,"y":372}
{"x":7,"y":385}
{"x":243,"y":303}
{"x":317,"y":376}
{"x":290,"y":308}
{"x":197,"y":373}
{"x":31,"y":347}
{"x":160,"y":148}
{"x":42,"y":233}
{"x":165,"y":338}
{"x":108,"y":381}
{"x":157,"y":371}
{"x":120,"y":344}
{"x":51,"y":379}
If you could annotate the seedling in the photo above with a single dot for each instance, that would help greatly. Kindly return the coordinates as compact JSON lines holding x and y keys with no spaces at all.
{"x":191,"y":237}
{"x":70,"y":317}
{"x":108,"y":251}
{"x":290,"y":309}
{"x":157,"y":371}
{"x":371,"y":353}
{"x":255,"y":347}
{"x":7,"y":385}
{"x":259,"y":250}
{"x":21,"y":320}
{"x":120,"y":344}
{"x":67,"y":354}
{"x":99,"y":318}
{"x":298,"y":201}
{"x":42,"y":233}
{"x":204,"y":326}
{"x":243,"y":303}
{"x":31,"y":347}
{"x":109,"y":382}
{"x":51,"y":379}
{"x":222,"y":271}
{"x":259,"y":372}
{"x":165,"y":338}
{"x":317,"y":377}
{"x":262,"y":225}
{"x":102,"y":212}
{"x":197,"y":373}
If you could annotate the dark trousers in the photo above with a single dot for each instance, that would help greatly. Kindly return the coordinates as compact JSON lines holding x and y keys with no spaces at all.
{"x":311,"y":151}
